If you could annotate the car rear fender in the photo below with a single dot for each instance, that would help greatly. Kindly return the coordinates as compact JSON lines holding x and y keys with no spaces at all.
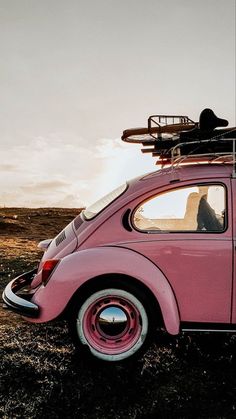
{"x":79,"y":267}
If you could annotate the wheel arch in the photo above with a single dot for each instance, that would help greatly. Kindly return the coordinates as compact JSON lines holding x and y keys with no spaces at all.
{"x":79,"y":270}
{"x":127,"y":282}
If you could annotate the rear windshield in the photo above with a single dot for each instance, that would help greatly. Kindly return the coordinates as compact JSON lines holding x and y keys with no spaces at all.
{"x":102,"y":203}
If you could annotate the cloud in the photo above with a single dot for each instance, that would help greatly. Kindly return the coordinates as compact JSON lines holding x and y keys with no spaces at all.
{"x":69,"y":201}
{"x":46,"y":186}
{"x":9,"y":199}
{"x":6,"y":167}
{"x":60,"y":171}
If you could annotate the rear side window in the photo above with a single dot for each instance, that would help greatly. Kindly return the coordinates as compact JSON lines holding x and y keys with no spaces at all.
{"x":102,"y":203}
{"x":193,"y":208}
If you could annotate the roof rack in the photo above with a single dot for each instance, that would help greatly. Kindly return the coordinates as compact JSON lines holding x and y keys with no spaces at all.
{"x":177,"y":139}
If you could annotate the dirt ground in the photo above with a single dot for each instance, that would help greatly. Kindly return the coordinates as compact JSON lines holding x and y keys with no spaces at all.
{"x":42,"y":376}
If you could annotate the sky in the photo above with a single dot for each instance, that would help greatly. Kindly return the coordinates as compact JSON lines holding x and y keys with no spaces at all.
{"x":74,"y":74}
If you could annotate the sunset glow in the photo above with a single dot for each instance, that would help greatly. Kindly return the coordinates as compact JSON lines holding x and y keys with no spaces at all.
{"x":73,"y":77}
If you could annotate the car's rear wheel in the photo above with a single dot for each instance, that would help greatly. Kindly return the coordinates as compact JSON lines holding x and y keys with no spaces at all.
{"x":113,"y":323}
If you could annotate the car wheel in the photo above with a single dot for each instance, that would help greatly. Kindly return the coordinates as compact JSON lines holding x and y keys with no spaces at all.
{"x":112,"y":323}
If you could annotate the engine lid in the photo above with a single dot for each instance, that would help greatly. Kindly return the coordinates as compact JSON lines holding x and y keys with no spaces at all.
{"x":62,"y":245}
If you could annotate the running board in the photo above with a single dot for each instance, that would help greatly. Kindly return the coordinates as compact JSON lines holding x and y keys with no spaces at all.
{"x":210,"y":330}
{"x":208,"y":327}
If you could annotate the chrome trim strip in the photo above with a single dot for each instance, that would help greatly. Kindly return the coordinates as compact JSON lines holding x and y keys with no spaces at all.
{"x":209,"y":330}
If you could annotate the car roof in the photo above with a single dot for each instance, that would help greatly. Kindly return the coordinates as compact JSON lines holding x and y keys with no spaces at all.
{"x":182,"y":173}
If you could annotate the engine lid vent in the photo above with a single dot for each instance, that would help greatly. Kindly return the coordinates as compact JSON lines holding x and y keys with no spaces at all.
{"x":60,"y":238}
{"x":77,"y":222}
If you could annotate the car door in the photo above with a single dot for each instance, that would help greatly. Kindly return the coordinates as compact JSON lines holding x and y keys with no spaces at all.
{"x":234,"y":252}
{"x":186,"y":231}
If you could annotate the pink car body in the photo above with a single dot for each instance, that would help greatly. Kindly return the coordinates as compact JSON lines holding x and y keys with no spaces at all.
{"x":190,"y":274}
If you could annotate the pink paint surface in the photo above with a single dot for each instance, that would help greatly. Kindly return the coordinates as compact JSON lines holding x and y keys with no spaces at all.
{"x":190,"y":274}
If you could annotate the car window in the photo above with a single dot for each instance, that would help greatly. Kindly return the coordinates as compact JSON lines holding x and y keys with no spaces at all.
{"x":102,"y":203}
{"x":193,"y":208}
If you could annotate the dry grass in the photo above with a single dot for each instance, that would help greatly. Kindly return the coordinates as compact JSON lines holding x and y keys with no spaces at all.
{"x":43,"y":376}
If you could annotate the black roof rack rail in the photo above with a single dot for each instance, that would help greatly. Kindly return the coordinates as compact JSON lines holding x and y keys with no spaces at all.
{"x":173,"y":138}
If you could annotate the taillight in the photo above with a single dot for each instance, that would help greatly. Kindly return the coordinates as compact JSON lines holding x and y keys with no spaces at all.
{"x":48,"y":268}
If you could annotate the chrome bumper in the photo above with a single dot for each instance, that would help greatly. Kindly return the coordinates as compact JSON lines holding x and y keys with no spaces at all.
{"x":17,"y":298}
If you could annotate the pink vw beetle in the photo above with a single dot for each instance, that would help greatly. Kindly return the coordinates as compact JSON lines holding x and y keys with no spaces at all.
{"x":158,"y":252}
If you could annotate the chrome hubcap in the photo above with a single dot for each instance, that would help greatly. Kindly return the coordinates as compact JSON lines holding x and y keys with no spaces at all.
{"x":112,"y":321}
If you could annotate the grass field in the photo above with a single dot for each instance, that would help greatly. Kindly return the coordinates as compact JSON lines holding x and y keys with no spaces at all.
{"x":43,"y":377}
